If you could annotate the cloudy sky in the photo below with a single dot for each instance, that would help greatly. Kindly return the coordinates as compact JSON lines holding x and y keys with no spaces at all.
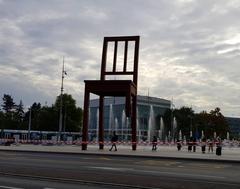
{"x":189,"y":49}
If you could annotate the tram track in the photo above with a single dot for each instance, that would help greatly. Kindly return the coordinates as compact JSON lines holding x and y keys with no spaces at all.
{"x":106,"y":184}
{"x":74,"y":181}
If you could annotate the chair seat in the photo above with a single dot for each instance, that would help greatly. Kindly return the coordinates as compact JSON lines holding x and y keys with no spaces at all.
{"x":111,"y":87}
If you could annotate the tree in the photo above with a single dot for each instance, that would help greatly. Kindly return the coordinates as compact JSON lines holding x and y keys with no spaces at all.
{"x":185,"y":121}
{"x":42,"y":118}
{"x":184,"y":117}
{"x":203,"y":121}
{"x":212,"y":122}
{"x":35,"y":114}
{"x":1,"y":119}
{"x":19,"y":112}
{"x":48,"y":119}
{"x":9,"y":113}
{"x":72,"y":115}
{"x":8,"y":104}
{"x":218,"y":122}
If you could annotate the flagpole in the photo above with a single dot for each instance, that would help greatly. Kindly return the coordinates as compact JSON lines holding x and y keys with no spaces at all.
{"x":61,"y":107}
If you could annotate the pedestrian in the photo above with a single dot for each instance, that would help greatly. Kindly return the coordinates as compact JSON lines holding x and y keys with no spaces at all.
{"x":203,"y":146}
{"x":179,"y":145}
{"x":210,"y":145}
{"x":114,"y":140}
{"x":154,"y":143}
{"x":190,"y":145}
{"x":219,"y":147}
{"x":194,"y":144}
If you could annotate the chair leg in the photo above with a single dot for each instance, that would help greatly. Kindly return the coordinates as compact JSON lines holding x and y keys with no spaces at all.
{"x":85,"y":120}
{"x":134,"y":123}
{"x":101,"y":130}
{"x":128,"y":110}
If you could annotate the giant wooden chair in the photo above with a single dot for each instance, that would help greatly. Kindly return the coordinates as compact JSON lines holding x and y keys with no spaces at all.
{"x":104,"y":87}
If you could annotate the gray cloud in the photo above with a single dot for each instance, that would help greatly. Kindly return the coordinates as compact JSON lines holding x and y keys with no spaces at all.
{"x":189,"y":49}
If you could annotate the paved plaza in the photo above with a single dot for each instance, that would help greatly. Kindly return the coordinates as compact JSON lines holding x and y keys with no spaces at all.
{"x":163,"y":151}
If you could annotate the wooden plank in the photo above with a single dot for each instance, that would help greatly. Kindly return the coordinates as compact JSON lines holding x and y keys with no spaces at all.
{"x":122,"y":38}
{"x":125,"y":56}
{"x":119,"y":73}
{"x":115,"y":56}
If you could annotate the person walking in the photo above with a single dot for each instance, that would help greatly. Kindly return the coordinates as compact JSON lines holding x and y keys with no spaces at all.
{"x":114,"y":140}
{"x":179,"y":145}
{"x":154,"y":143}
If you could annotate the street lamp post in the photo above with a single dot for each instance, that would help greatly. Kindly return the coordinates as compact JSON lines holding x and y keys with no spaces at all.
{"x":191,"y":132}
{"x":29,"y":123}
{"x":61,"y":106}
{"x":171,"y":119}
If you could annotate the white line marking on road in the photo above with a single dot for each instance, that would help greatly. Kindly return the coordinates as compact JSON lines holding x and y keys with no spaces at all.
{"x":9,"y":187}
{"x":87,"y":158}
{"x":185,"y":174}
{"x":48,"y":188}
{"x":159,"y":172}
{"x":180,"y":166}
{"x":112,"y":168}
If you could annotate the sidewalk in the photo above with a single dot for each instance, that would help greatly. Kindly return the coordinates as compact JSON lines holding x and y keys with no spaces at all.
{"x":170,"y":152}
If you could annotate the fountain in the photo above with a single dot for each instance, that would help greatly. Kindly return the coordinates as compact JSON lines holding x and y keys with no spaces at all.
{"x":214,"y":134}
{"x":174,"y":127}
{"x":115,"y":125}
{"x":138,"y":130}
{"x":169,"y":136}
{"x":89,"y":117}
{"x":180,"y":135}
{"x":127,"y":126}
{"x":161,"y":131}
{"x":160,"y":134}
{"x":174,"y":123}
{"x":184,"y":140}
{"x":110,"y":120}
{"x":138,"y":127}
{"x":228,"y":136}
{"x":97,"y":125}
{"x":202,"y":136}
{"x":151,"y":124}
{"x":89,"y":123}
{"x":123,"y":122}
{"x":166,"y":139}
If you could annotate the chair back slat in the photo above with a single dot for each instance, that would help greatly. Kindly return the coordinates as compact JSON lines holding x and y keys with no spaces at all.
{"x":125,"y":56}
{"x":115,"y":56}
{"x":124,"y":70}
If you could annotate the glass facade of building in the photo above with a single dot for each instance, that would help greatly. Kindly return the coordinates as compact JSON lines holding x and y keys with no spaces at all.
{"x":149,"y":112}
{"x":234,"y":124}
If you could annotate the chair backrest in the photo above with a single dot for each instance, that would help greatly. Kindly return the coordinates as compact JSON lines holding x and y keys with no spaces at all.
{"x":124,"y":70}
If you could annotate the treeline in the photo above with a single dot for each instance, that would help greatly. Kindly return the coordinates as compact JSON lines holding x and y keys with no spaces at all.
{"x":44,"y":118}
{"x":208,"y":122}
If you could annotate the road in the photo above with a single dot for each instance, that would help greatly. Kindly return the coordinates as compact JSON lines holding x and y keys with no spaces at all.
{"x":45,"y":170}
{"x":30,"y":183}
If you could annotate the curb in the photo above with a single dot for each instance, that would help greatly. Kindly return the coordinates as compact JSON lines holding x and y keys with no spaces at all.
{"x":125,"y":155}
